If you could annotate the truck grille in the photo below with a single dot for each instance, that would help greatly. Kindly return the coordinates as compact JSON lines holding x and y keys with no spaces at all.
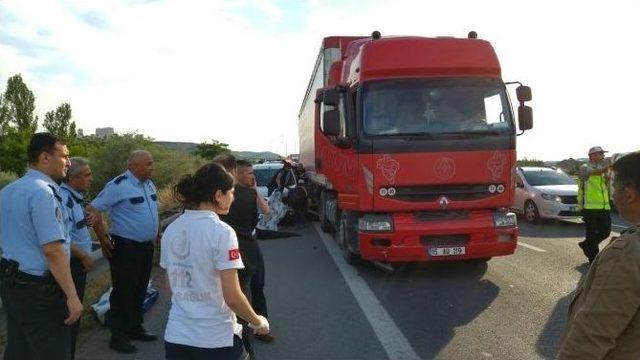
{"x":444,"y":240}
{"x":433,"y":192}
{"x":440,"y":215}
{"x":569,"y":199}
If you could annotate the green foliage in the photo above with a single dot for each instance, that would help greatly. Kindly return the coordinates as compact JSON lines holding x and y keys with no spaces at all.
{"x":13,"y":150}
{"x":210,"y":150}
{"x":570,"y":166}
{"x":6,"y":178}
{"x":59,"y":123}
{"x":109,"y":159}
{"x":530,"y":162}
{"x":19,"y":104}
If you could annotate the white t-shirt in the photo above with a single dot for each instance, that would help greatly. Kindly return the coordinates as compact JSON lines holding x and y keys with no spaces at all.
{"x":195,"y":248}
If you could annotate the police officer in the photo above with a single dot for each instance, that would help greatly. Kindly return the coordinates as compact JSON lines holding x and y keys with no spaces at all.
{"x":37,"y":289}
{"x":132,"y":203}
{"x":604,"y":316}
{"x":593,"y":200}
{"x":76,"y":183}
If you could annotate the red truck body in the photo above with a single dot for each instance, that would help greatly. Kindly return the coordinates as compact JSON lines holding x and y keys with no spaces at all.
{"x":404,"y":173}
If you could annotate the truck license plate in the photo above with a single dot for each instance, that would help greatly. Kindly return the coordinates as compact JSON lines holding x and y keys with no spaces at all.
{"x":447,"y":251}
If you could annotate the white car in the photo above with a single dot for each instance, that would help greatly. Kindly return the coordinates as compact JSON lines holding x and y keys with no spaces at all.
{"x":264,"y":173}
{"x":543,"y":192}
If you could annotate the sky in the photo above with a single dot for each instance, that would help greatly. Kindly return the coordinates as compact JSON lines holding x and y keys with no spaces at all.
{"x":236,"y":71}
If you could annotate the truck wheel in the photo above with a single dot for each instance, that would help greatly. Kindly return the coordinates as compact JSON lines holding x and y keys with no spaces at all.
{"x":531,"y":213}
{"x":325,"y":225}
{"x":343,"y":240}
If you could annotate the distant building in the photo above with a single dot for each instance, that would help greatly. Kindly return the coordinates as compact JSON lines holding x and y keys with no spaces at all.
{"x":80,"y":133}
{"x":103,"y":133}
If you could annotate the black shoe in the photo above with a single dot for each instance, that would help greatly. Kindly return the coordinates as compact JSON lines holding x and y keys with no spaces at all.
{"x":264,"y":338}
{"x":143,"y":335}
{"x":122,"y":346}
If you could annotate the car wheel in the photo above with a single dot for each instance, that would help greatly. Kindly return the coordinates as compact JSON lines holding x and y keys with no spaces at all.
{"x":343,"y":232}
{"x":531,"y":213}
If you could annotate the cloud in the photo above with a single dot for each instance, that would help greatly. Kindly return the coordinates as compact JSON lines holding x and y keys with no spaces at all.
{"x":236,"y":71}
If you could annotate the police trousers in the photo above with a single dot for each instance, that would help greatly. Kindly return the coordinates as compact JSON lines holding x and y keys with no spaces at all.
{"x":249,"y":251}
{"x":79,"y":280}
{"x":35,"y":309}
{"x":597,"y":228}
{"x":131,"y":264}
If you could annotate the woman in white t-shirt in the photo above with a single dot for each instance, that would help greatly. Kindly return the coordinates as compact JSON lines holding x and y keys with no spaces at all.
{"x":200,"y":254}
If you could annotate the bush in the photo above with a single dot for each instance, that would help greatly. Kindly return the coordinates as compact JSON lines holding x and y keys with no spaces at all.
{"x":6,"y":178}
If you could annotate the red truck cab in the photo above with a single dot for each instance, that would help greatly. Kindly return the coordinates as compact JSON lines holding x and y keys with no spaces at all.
{"x":409,"y":144}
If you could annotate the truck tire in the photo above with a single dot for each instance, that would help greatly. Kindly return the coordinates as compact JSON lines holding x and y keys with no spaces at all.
{"x":325,"y":224}
{"x":345,"y":232}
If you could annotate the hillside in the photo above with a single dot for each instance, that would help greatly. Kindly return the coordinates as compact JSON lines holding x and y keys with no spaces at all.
{"x":250,"y":155}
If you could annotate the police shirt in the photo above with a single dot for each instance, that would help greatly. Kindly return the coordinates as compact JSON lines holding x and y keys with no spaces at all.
{"x":77,"y":223}
{"x":132,"y":205}
{"x":195,"y":248}
{"x":31,"y":215}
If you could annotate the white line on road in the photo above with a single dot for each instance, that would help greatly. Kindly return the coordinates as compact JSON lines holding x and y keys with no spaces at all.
{"x":619,"y":226}
{"x":393,"y":341}
{"x":520,"y":243}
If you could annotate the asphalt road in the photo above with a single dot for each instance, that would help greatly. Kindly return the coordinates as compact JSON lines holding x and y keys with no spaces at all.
{"x":321,"y":308}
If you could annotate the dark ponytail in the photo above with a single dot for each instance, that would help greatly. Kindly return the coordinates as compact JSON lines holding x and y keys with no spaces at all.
{"x":192,"y":190}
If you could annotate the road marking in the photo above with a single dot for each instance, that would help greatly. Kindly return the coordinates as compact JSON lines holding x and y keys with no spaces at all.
{"x":619,"y":226}
{"x":391,"y":338}
{"x":520,"y":243}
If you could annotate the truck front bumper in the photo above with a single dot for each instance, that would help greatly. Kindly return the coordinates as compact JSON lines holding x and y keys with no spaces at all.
{"x":416,"y":239}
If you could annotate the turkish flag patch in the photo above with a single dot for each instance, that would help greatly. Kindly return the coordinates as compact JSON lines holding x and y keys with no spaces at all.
{"x":234,"y":254}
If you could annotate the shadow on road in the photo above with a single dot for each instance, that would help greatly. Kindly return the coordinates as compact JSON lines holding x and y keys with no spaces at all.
{"x":549,"y":339}
{"x":551,"y":229}
{"x":429,"y":301}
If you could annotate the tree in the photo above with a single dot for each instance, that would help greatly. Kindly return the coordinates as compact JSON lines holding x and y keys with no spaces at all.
{"x":570,"y":166}
{"x":210,"y":150}
{"x":530,"y":162}
{"x":4,"y":117}
{"x":59,"y":123}
{"x":19,"y":102}
{"x":13,"y":150}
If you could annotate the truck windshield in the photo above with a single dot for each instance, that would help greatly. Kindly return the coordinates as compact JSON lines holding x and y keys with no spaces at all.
{"x":435,"y":106}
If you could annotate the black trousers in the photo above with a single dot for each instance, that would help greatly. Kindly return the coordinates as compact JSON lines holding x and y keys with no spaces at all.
{"x":258,"y":300}
{"x":131,"y":264}
{"x":249,"y":253}
{"x":597,"y":228}
{"x":35,"y":310}
{"x":185,"y":352}
{"x":80,"y":280}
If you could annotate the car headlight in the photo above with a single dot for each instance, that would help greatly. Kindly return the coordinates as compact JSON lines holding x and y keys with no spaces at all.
{"x":550,"y":197}
{"x":375,"y":223}
{"x":504,"y":219}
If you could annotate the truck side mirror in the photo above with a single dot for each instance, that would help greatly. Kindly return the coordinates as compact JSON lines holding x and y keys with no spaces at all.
{"x":331,"y":122}
{"x":523,"y":93}
{"x":525,"y":117}
{"x":331,"y":97}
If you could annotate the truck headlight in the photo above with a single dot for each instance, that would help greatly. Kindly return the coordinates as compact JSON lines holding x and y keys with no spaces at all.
{"x":550,"y":197}
{"x":375,"y":223}
{"x":504,"y":219}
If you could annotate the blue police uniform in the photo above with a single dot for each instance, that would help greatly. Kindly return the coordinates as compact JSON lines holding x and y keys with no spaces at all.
{"x":132,"y":206}
{"x":81,"y":238}
{"x":32,"y":214}
{"x":133,"y":209}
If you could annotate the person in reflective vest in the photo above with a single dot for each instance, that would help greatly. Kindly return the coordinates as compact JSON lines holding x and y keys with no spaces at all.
{"x":593,"y":201}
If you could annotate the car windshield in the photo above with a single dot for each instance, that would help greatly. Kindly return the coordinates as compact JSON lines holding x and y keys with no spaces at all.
{"x":264,"y":176}
{"x":435,"y":106}
{"x":547,"y":177}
